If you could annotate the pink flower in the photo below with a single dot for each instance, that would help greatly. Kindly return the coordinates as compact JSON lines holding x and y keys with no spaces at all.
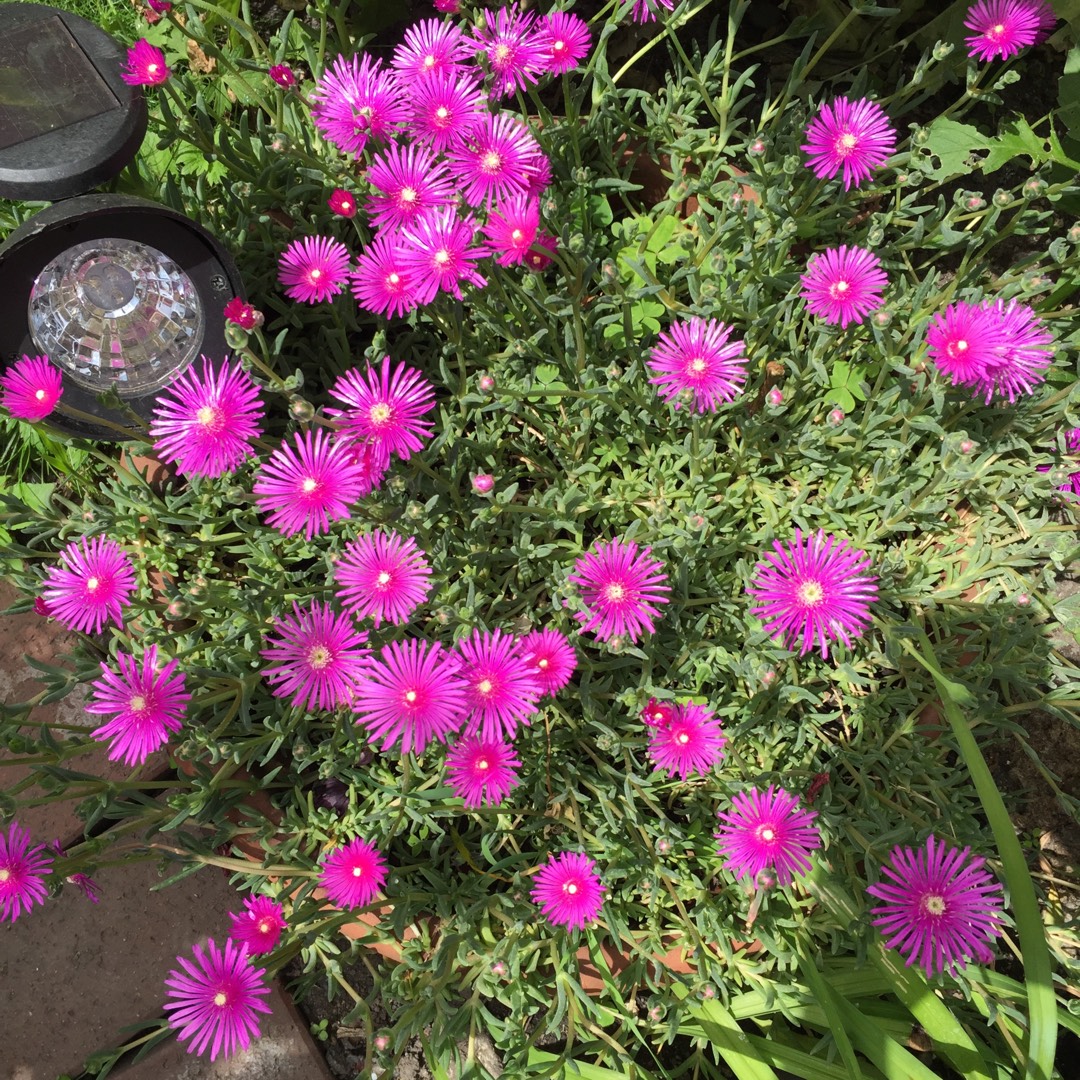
{"x":413,"y":693}
{"x":482,"y":771}
{"x":31,"y":388}
{"x":205,"y":423}
{"x":621,"y":587}
{"x":146,"y":65}
{"x":494,"y":161}
{"x":146,"y":705}
{"x":91,"y":586}
{"x":1071,"y":482}
{"x":1003,"y":27}
{"x":358,"y":99}
{"x":843,"y":285}
{"x":939,"y":909}
{"x":383,"y":575}
{"x":645,"y":10}
{"x":854,"y":136}
{"x":550,"y":657}
{"x":767,"y":831}
{"x":813,"y":591}
{"x":962,"y":340}
{"x":283,"y":75}
{"x":568,"y":891}
{"x":214,"y":999}
{"x":483,"y":483}
{"x":690,"y":742}
{"x":258,"y":927}
{"x":410,"y":183}
{"x":511,"y":229}
{"x":242,"y":314}
{"x":439,"y":256}
{"x":22,"y":872}
{"x":444,"y":109}
{"x":514,"y":56}
{"x":431,"y":48}
{"x":314,"y":269}
{"x":353,"y":874}
{"x":501,"y":691}
{"x":563,"y":40}
{"x":319,"y":656}
{"x":380,"y":282}
{"x":307,"y":485}
{"x":448,"y":7}
{"x":159,"y":6}
{"x":658,"y":714}
{"x":385,"y":408}
{"x":694,"y":359}
{"x":372,"y":459}
{"x":342,"y":203}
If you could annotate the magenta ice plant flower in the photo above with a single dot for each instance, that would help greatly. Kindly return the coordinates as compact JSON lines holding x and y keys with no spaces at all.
{"x":258,"y":927}
{"x":356,"y":100}
{"x":372,"y":459}
{"x":306,"y":485}
{"x":843,"y":285}
{"x":385,"y":406}
{"x":551,"y":658}
{"x":313,"y":269}
{"x":444,"y":109}
{"x":646,"y":10}
{"x":940,"y":907}
{"x":813,"y":590}
{"x":30,"y":389}
{"x":353,"y":874}
{"x":501,"y":691}
{"x":145,"y":65}
{"x":212,"y":1002}
{"x":514,"y":55}
{"x":283,"y":75}
{"x":658,"y":714}
{"x":91,"y":585}
{"x":1001,"y":28}
{"x":342,"y":203}
{"x":850,"y":136}
{"x":431,"y":49}
{"x":147,"y":705}
{"x":690,"y":742}
{"x":494,"y":160}
{"x":511,"y":229}
{"x":205,"y":422}
{"x":241,"y":313}
{"x":563,"y":40}
{"x":482,"y":771}
{"x":767,"y":830}
{"x":23,"y":868}
{"x":409,"y":182}
{"x":539,"y":257}
{"x":411,"y":694}
{"x":318,"y":656}
{"x":696,"y":360}
{"x":1070,"y":470}
{"x":962,"y":340}
{"x":381,"y":283}
{"x":620,"y":585}
{"x":382,"y":575}
{"x":568,"y":891}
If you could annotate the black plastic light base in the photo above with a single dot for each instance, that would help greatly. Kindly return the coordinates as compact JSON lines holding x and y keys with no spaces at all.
{"x":93,"y":217}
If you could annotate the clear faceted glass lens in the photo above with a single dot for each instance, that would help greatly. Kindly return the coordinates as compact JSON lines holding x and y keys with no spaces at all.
{"x":114,"y":311}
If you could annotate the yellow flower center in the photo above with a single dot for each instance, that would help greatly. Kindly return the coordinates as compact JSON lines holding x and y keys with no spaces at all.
{"x":429,"y":61}
{"x":697,"y":365}
{"x":934,"y":905}
{"x":810,"y":593}
{"x":410,"y":696}
{"x":485,"y":686}
{"x":383,"y":579}
{"x":442,"y":257}
{"x":768,"y":834}
{"x":558,"y":46}
{"x":221,"y":999}
{"x":92,"y":584}
{"x":995,"y":31}
{"x":4,"y":875}
{"x":845,"y":145}
{"x":264,"y":926}
{"x":442,"y":112}
{"x":152,"y":68}
{"x":516,"y":235}
{"x":614,"y":592}
{"x":309,"y":485}
{"x":137,"y":703}
{"x":682,"y":738}
{"x":40,"y":395}
{"x":380,"y":413}
{"x":318,"y":657}
{"x":569,"y":888}
{"x":501,"y":54}
{"x":408,"y":195}
{"x":393,"y":279}
{"x":206,"y":415}
{"x":491,"y":161}
{"x":838,"y":288}
{"x":542,"y":662}
{"x":357,"y":871}
{"x":482,"y":763}
{"x":315,"y":273}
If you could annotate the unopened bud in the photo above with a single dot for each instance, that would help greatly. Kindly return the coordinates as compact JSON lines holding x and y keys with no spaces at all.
{"x":486,"y":383}
{"x":1001,"y":198}
{"x":301,"y":409}
{"x":835,"y":417}
{"x":482,"y":483}
{"x":775,"y":396}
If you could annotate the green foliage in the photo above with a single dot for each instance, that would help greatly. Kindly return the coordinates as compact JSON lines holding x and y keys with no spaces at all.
{"x":947,"y":495}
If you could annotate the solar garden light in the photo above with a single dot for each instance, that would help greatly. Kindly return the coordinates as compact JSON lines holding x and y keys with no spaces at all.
{"x":120,"y":293}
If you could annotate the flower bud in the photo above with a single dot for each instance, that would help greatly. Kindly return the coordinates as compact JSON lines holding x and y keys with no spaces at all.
{"x":920,"y":136}
{"x":1001,"y":198}
{"x":235,"y":336}
{"x":882,"y":317}
{"x":768,"y":677}
{"x":966,"y":446}
{"x":382,"y":1042}
{"x":757,"y":147}
{"x":577,"y":243}
{"x":1022,"y":599}
{"x":280,"y":143}
{"x":301,"y":409}
{"x":775,"y":396}
{"x":482,"y":483}
{"x":835,"y":417}
{"x":1073,"y":234}
{"x":1034,"y":187}
{"x":942,"y":50}
{"x":486,"y":383}
{"x":177,"y":610}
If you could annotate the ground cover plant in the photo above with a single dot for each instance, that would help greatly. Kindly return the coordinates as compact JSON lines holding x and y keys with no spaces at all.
{"x":567,"y":570}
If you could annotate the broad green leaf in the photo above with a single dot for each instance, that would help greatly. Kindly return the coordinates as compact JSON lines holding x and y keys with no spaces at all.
{"x":953,"y":144}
